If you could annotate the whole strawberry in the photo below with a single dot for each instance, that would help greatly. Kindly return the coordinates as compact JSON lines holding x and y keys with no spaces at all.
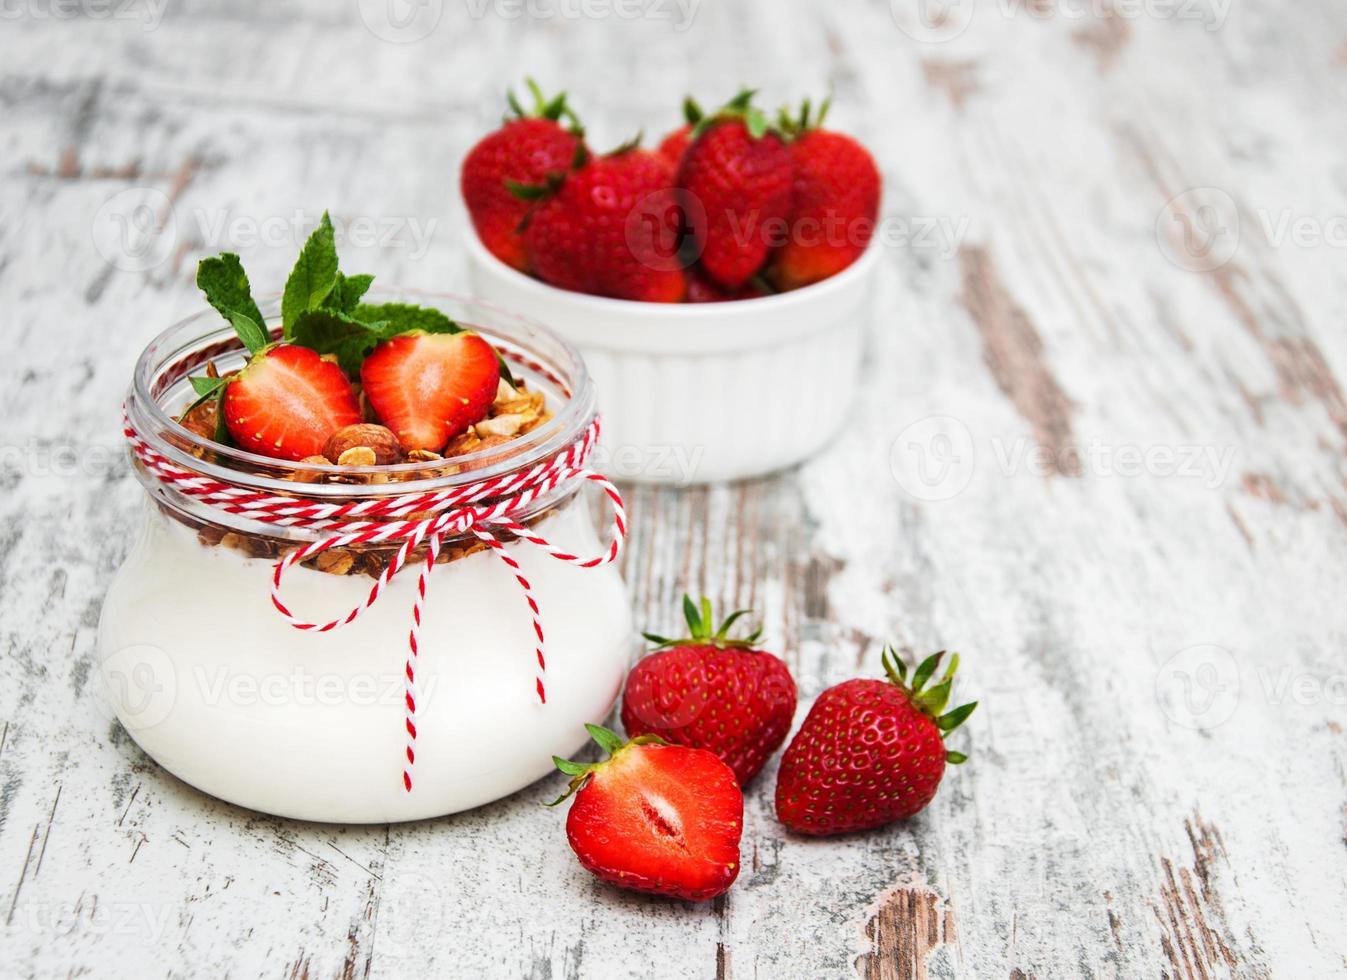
{"x":834,"y":203}
{"x":508,"y":169}
{"x":736,"y":181}
{"x":612,"y":229}
{"x":655,"y":818}
{"x":870,"y":751}
{"x":711,"y":692}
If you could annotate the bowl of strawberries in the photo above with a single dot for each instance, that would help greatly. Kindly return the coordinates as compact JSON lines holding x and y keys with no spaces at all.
{"x":719,"y":287}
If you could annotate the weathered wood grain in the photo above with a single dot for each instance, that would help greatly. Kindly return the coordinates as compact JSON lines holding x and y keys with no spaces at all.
{"x":1035,"y":293}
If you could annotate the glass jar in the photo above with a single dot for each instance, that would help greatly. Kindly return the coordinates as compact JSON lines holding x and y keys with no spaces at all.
{"x":216,"y":686}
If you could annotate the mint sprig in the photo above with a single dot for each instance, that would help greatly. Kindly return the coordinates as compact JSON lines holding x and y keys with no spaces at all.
{"x":321,"y":309}
{"x":314,"y":275}
{"x":347,"y":292}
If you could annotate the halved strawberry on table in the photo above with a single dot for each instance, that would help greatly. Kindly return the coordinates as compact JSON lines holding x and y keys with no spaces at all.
{"x":712,"y":692}
{"x":504,"y":173}
{"x":652,"y":817}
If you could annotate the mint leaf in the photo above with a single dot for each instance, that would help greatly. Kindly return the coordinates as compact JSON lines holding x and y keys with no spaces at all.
{"x":346,"y":292}
{"x":331,"y":332}
{"x":403,"y":317}
{"x":313,"y":276}
{"x":253,"y":335}
{"x":225,"y":284}
{"x":206,"y":389}
{"x":207,"y":386}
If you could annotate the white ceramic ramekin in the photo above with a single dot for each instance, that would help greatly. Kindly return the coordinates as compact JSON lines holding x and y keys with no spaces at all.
{"x":701,"y":392}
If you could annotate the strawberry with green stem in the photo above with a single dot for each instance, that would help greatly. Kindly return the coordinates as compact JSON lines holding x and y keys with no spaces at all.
{"x":735,"y":178}
{"x":612,"y":228}
{"x":712,"y":692}
{"x":834,"y":201}
{"x":508,"y":170}
{"x":870,"y":752}
{"x":654,"y":817}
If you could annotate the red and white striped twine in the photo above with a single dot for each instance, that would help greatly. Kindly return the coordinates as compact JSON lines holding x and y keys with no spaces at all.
{"x":483,"y":510}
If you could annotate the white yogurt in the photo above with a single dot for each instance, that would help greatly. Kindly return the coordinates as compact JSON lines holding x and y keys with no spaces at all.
{"x":219,"y":689}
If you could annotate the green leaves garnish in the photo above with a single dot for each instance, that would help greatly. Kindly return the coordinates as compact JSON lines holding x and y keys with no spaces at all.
{"x":406,"y":317}
{"x":346,"y":293}
{"x":321,"y":308}
{"x":207,"y":386}
{"x":313,"y":276}
{"x":351,"y":336}
{"x":330,"y":332}
{"x":250,"y":331}
{"x":225,"y":284}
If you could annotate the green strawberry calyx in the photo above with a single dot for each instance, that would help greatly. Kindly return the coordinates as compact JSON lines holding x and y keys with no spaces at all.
{"x":612,"y":743}
{"x":702,"y":629}
{"x":793,"y":125}
{"x":692,"y":112}
{"x":554,"y":109}
{"x":740,"y":107}
{"x":931,"y":701}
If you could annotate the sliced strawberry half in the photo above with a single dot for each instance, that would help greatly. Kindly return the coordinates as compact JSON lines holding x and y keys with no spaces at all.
{"x":429,"y":388}
{"x":286,"y":403}
{"x":656,"y":818}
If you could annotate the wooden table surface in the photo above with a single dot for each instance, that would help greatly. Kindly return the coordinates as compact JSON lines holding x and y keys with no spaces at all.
{"x":1101,"y":449}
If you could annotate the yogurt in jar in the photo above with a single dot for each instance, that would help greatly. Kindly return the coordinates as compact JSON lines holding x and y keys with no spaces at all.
{"x":219,"y":688}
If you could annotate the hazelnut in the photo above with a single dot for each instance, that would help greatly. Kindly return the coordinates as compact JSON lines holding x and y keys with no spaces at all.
{"x":380,"y":441}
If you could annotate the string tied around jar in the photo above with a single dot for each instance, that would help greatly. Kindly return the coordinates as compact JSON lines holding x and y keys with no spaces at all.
{"x":488,"y":510}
